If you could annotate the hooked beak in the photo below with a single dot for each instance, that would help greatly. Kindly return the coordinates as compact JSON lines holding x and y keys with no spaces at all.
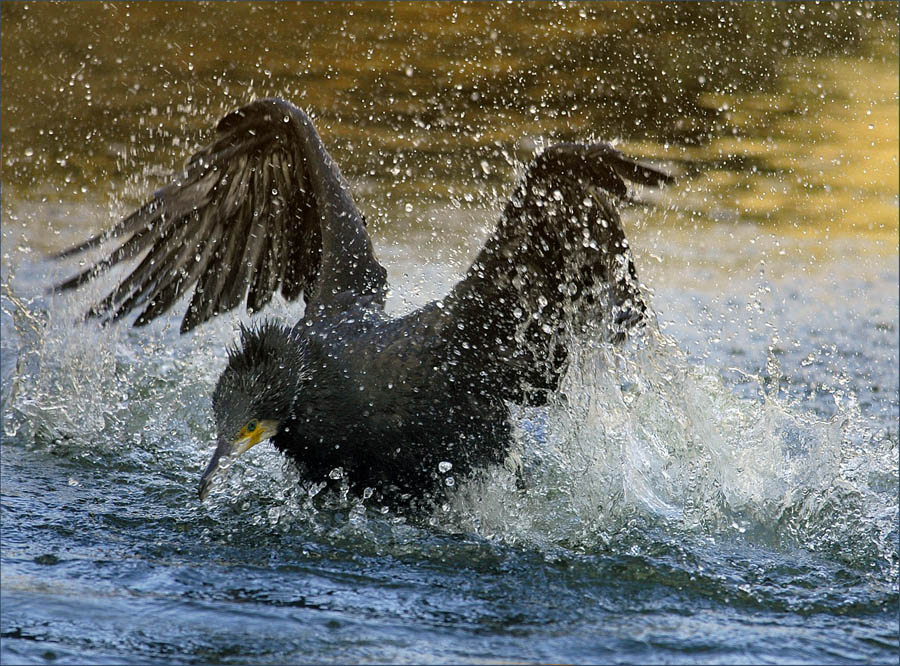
{"x":228,"y":451}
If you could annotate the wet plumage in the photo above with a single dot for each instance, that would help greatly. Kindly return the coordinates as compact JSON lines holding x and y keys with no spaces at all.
{"x":389,"y":401}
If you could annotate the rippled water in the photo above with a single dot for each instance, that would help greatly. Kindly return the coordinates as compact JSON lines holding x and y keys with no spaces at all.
{"x":723,"y":488}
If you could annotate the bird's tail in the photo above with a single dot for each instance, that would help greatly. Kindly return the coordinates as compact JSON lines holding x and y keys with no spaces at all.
{"x":557,"y":266}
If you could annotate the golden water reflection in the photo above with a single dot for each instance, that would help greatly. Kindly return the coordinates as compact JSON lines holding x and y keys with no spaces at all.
{"x":783,"y":114}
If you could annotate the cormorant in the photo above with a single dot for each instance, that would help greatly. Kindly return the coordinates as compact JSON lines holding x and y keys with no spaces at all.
{"x":393,"y":402}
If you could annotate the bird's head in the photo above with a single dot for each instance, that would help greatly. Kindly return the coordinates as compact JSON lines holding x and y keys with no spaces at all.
{"x":255,"y":395}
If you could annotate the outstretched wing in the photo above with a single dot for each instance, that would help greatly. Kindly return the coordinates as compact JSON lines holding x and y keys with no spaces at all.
{"x":557,"y":264}
{"x":263,"y":206}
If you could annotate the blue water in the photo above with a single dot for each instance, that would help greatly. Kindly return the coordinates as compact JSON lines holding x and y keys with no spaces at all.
{"x":686,"y":502}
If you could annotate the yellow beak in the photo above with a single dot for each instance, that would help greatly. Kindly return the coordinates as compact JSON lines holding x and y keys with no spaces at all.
{"x":244,"y":441}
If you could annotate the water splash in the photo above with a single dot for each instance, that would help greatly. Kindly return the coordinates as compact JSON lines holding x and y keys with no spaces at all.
{"x":640,"y":438}
{"x":110,"y":396}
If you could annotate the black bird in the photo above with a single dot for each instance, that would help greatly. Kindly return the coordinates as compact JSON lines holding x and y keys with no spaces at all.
{"x":390,"y":402}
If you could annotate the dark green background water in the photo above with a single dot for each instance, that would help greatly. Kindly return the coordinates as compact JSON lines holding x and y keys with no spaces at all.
{"x":722,"y":491}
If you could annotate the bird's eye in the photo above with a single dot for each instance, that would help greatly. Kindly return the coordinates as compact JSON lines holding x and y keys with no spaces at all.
{"x":251,"y":426}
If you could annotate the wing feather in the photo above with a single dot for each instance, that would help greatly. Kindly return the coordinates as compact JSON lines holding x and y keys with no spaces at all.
{"x":557,"y":264}
{"x":252,"y":212}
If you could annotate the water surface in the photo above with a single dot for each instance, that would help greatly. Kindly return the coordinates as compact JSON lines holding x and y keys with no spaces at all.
{"x":723,"y":489}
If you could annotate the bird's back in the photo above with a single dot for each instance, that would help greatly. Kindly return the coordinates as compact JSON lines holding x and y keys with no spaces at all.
{"x":391,"y":403}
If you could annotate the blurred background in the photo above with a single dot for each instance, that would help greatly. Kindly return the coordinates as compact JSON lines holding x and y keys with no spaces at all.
{"x":788,"y":110}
